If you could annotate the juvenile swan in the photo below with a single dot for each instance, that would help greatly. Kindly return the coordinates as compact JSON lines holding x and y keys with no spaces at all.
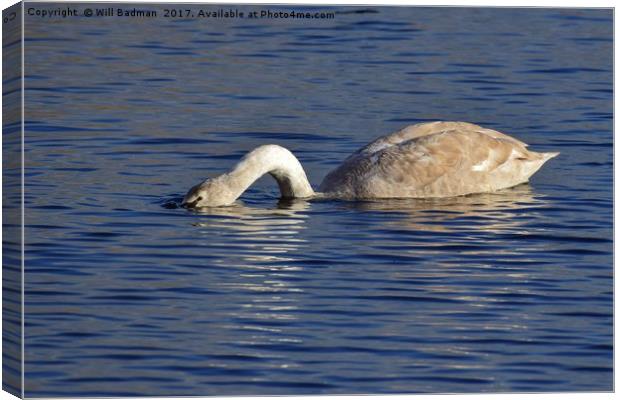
{"x":437,"y":159}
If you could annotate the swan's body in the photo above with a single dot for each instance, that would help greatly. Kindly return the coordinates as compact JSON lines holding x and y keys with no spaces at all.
{"x":438,"y":159}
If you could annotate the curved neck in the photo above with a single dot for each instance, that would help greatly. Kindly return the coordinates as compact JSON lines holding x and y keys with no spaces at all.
{"x":279,"y":163}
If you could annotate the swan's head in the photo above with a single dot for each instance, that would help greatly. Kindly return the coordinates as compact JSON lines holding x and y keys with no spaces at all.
{"x":210,"y":193}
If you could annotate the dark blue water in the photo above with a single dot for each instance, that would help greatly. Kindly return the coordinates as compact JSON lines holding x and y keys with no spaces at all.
{"x":500,"y":292}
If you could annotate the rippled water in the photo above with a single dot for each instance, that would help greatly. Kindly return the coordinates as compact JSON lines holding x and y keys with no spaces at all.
{"x":509,"y":291}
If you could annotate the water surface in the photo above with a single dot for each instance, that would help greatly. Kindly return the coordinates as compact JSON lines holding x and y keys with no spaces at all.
{"x":500,"y":292}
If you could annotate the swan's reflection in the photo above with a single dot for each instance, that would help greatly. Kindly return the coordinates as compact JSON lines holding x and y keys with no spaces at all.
{"x":252,"y":220}
{"x":492,"y":212}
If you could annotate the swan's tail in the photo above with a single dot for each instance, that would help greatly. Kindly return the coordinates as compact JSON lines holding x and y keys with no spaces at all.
{"x":535,"y":162}
{"x":549,"y":156}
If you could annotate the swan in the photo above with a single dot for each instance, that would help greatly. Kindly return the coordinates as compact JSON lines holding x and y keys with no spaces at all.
{"x":426,"y":160}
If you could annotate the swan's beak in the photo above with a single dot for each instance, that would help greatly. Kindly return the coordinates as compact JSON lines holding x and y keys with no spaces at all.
{"x":190,"y":204}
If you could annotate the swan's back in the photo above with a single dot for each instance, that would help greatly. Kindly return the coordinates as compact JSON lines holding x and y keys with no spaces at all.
{"x":438,"y":159}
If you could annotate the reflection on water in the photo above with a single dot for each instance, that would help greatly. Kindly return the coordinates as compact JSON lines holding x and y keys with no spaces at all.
{"x":509,"y":291}
{"x":267,"y":243}
{"x":493,"y":212}
{"x":252,"y":219}
{"x":267,"y":234}
{"x":279,"y":227}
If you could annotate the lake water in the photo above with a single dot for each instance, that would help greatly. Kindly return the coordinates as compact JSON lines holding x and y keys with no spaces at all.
{"x":127,"y":294}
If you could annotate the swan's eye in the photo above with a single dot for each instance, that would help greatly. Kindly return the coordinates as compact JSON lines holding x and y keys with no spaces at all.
{"x":199,"y":199}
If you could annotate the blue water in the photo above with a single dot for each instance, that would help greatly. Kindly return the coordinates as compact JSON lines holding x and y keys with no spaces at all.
{"x":128,"y":295}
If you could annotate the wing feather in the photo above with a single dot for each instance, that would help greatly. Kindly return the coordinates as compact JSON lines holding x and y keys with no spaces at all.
{"x":430,"y":128}
{"x":430,"y":160}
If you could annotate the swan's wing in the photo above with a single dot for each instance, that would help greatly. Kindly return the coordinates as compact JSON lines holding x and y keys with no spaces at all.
{"x":445,"y":163}
{"x":422,"y":161}
{"x":430,"y":128}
